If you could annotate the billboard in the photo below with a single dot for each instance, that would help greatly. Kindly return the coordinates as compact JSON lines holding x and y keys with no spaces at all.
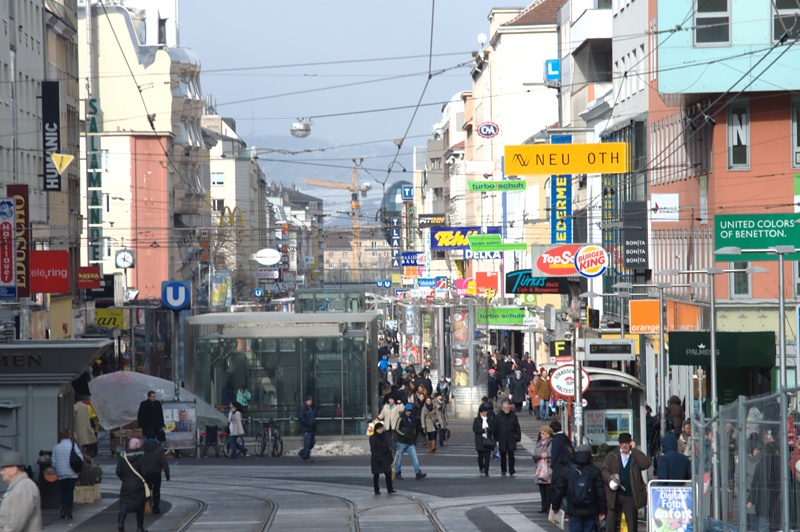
{"x":560,"y":158}
{"x":586,"y":260}
{"x":756,"y":231}
{"x":51,"y":134}
{"x":522,"y":282}
{"x":455,"y":238}
{"x":49,"y":272}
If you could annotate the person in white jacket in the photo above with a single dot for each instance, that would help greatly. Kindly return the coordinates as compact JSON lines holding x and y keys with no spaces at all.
{"x":236,"y":430}
{"x":390,"y":417}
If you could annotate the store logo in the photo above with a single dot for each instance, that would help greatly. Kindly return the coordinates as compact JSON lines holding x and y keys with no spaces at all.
{"x":520,"y":160}
{"x":591,"y":261}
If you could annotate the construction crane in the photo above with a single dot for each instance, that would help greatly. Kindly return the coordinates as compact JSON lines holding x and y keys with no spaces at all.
{"x":355,"y":189}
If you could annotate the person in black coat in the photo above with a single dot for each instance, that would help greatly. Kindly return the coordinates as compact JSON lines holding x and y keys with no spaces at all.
{"x":154,"y":462}
{"x":380,"y":459}
{"x":582,"y":515}
{"x":151,"y":416}
{"x":484,"y":426}
{"x":130,"y":470}
{"x":493,"y":384}
{"x":763,"y":494}
{"x":673,"y":465}
{"x":518,"y":390}
{"x":508,"y":434}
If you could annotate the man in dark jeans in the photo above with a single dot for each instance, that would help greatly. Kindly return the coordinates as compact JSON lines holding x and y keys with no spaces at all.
{"x":307,"y":424}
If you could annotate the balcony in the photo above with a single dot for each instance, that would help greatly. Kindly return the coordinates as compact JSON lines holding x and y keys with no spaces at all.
{"x":592,"y":24}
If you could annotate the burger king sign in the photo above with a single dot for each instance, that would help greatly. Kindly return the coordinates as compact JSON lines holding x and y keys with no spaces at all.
{"x":588,"y":260}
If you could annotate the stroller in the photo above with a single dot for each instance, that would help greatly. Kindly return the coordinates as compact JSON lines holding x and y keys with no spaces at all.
{"x":210,"y":438}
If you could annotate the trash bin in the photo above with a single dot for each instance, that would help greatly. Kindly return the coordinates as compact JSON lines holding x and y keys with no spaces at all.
{"x":48,"y":491}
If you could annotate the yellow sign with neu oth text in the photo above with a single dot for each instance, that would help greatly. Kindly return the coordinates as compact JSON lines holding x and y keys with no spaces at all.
{"x":602,"y":158}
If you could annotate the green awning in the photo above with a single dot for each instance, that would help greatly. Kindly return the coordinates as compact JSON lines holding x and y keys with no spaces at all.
{"x":734,"y":349}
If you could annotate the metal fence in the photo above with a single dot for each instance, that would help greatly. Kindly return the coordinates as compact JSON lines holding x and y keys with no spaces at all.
{"x":750,"y":481}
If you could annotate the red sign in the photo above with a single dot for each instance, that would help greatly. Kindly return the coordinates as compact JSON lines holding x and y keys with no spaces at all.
{"x":7,"y":253}
{"x":486,"y":281}
{"x":19,"y":193}
{"x":50,"y":272}
{"x":558,"y":261}
{"x":88,"y":277}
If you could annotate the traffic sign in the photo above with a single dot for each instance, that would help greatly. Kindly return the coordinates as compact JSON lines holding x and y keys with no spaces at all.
{"x":258,"y":292}
{"x":563,"y":380}
{"x":175,"y":295}
{"x":407,"y":192}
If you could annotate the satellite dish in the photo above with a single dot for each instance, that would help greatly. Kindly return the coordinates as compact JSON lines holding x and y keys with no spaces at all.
{"x":301,"y":129}
{"x":481,"y":39}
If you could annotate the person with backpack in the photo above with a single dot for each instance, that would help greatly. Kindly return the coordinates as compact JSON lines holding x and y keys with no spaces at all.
{"x":561,"y":454}
{"x":154,"y":461}
{"x":625,"y":487}
{"x":581,"y":482}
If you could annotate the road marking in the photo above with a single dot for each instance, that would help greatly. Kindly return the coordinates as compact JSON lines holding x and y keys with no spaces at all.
{"x":513,"y":518}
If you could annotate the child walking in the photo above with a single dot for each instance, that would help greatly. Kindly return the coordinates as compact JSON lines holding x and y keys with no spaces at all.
{"x":381,"y":459}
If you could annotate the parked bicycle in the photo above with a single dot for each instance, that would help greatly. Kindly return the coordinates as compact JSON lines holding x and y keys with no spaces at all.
{"x":269,"y":439}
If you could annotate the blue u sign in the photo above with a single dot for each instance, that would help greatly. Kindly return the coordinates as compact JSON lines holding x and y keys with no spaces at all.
{"x":175,"y":295}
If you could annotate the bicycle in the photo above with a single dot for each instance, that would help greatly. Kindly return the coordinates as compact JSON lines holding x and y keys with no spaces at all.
{"x":269,"y":438}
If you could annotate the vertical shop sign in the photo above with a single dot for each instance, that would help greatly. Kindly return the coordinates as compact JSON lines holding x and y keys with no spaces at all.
{"x":51,"y":134}
{"x":19,"y":194}
{"x":561,"y":201}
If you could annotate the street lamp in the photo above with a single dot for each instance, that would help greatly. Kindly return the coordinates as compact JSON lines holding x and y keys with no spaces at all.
{"x":664,"y":365}
{"x":781,"y":252}
{"x":713,"y":272}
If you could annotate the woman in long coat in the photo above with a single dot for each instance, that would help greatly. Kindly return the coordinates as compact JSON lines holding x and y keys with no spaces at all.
{"x":130,"y":470}
{"x":542,"y":451}
{"x":430,"y":419}
{"x":484,"y":427}
{"x":381,"y":458}
{"x":508,"y":434}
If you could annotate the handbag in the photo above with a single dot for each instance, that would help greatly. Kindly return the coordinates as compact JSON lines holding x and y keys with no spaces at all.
{"x":75,"y":460}
{"x":543,"y":471}
{"x":489,"y":443}
{"x":146,"y":487}
{"x":446,"y":434}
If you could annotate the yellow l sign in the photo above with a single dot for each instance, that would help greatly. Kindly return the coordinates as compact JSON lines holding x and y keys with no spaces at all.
{"x":602,"y":158}
{"x":61,"y":161}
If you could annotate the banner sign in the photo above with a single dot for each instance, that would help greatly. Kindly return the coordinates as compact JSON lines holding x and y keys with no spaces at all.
{"x":455,"y":238}
{"x":634,"y":235}
{"x":51,"y":134}
{"x":88,"y":277}
{"x":554,"y":158}
{"x":670,"y":508}
{"x":500,"y":316}
{"x":756,"y":231}
{"x":8,"y":264}
{"x":19,"y":193}
{"x":431,"y":220}
{"x":588,"y":260}
{"x":521,"y":282}
{"x":496,"y":186}
{"x":49,"y":272}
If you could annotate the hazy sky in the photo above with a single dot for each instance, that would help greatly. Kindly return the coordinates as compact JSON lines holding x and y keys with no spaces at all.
{"x":246,"y":47}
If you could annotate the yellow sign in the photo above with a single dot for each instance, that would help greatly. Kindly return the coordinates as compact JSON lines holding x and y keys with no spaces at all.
{"x":602,"y":158}
{"x":61,"y":161}
{"x":397,"y":279}
{"x":110,"y":318}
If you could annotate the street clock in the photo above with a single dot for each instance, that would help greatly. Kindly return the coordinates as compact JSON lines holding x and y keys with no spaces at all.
{"x":124,"y":259}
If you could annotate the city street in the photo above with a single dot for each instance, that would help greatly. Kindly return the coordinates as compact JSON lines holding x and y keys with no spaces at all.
{"x":333,"y":493}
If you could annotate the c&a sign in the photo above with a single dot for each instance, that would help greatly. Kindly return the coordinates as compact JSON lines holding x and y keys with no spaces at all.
{"x":455,"y":238}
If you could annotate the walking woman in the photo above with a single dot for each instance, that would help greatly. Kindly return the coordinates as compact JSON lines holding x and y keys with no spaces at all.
{"x":542,"y":451}
{"x":236,"y":430}
{"x":430,"y":422}
{"x":508,"y":435}
{"x":67,"y":477}
{"x":381,"y":458}
{"x":132,"y":492}
{"x":484,"y":426}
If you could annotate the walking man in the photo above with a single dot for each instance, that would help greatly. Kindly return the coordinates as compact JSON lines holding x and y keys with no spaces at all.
{"x":308,"y":428}
{"x":21,"y":505}
{"x":622,"y":474}
{"x":582,"y":484}
{"x":405,"y":443}
{"x":151,"y":416}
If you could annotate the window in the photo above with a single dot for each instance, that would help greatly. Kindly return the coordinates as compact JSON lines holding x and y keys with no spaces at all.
{"x":783,"y":19}
{"x":217,"y":178}
{"x":436,"y":163}
{"x":739,"y":281}
{"x":712,"y":21}
{"x":106,"y":248}
{"x":218,"y":205}
{"x":739,"y":134}
{"x":796,"y":133}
